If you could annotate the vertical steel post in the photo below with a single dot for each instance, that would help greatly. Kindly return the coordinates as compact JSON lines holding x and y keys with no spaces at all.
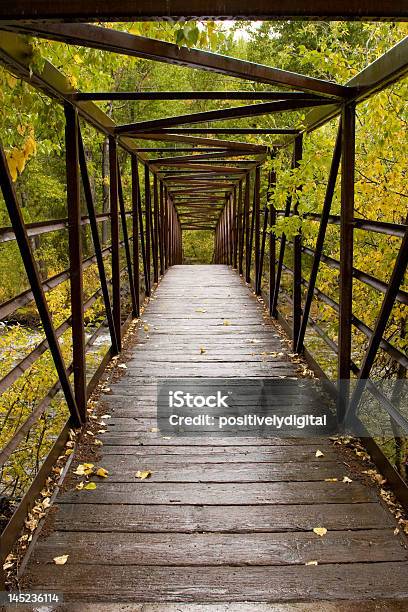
{"x":147,"y":226}
{"x":114,"y":200}
{"x":257,"y":228}
{"x":240,"y":244}
{"x":75,"y":258}
{"x":127,"y":245}
{"x":297,"y":256}
{"x":135,"y":230}
{"x":247,"y":230}
{"x":234,"y":230}
{"x":272,"y":247}
{"x":161,"y":229}
{"x":346,"y":257}
{"x":155,"y":228}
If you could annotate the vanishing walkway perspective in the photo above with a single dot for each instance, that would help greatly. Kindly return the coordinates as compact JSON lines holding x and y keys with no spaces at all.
{"x":221,"y":519}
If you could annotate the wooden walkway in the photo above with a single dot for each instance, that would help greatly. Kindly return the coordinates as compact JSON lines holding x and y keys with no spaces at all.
{"x":220,"y":520}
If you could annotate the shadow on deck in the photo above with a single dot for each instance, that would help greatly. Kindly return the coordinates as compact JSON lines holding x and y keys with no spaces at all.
{"x":220,"y":519}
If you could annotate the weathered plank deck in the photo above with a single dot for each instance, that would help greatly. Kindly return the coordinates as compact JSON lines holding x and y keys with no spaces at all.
{"x":221,"y":519}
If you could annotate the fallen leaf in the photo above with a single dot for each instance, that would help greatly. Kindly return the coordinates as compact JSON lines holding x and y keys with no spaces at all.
{"x":91,"y":486}
{"x":146,"y":328}
{"x":97,"y":443}
{"x":8,"y":565}
{"x":202,"y":350}
{"x":201,"y":310}
{"x":143,"y":474}
{"x":311,"y":563}
{"x":123,"y":366}
{"x":84,"y":469}
{"x":396,"y":531}
{"x":102,"y":472}
{"x":320,"y":531}
{"x":61,"y":560}
{"x":347,"y":479}
{"x":331,"y":480}
{"x":319,"y":453}
{"x":226,"y":322}
{"x":154,"y":429}
{"x":80,"y":486}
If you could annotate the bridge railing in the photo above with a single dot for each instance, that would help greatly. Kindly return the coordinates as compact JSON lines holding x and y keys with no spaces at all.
{"x":247,"y":240}
{"x":144,"y":240}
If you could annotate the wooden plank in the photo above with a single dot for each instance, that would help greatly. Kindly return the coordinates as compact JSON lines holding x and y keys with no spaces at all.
{"x":164,"y":469}
{"x":357,"y":581}
{"x":146,"y":492}
{"x":238,"y":519}
{"x":264,"y":549}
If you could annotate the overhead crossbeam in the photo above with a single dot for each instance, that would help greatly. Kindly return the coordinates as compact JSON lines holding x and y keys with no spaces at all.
{"x":175,"y":10}
{"x":196,"y":140}
{"x":137,"y":46}
{"x":235,"y":112}
{"x":192,"y":95}
{"x":233,"y":131}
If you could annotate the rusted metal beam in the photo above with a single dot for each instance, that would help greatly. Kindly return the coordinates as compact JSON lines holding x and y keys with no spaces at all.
{"x":235,"y":112}
{"x":135,"y":231}
{"x":162,"y":161}
{"x":125,"y":234}
{"x":346,"y":258}
{"x":297,"y":255}
{"x":192,"y":95}
{"x":175,"y":10}
{"x":230,"y":131}
{"x":114,"y":209}
{"x":137,"y":46}
{"x":75,"y":258}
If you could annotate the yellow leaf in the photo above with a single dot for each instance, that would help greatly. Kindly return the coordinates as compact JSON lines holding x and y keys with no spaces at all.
{"x":91,"y":486}
{"x":61,"y":560}
{"x":202,"y":350}
{"x":30,"y":147}
{"x":226,"y":322}
{"x":311,"y":563}
{"x":78,"y":59}
{"x":143,"y":474}
{"x":80,"y":486}
{"x":201,"y":310}
{"x":84,"y":469}
{"x":146,"y":328}
{"x":331,"y":480}
{"x":319,"y":453}
{"x":69,"y":451}
{"x":320,"y":531}
{"x":12,"y":166}
{"x":102,"y":472}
